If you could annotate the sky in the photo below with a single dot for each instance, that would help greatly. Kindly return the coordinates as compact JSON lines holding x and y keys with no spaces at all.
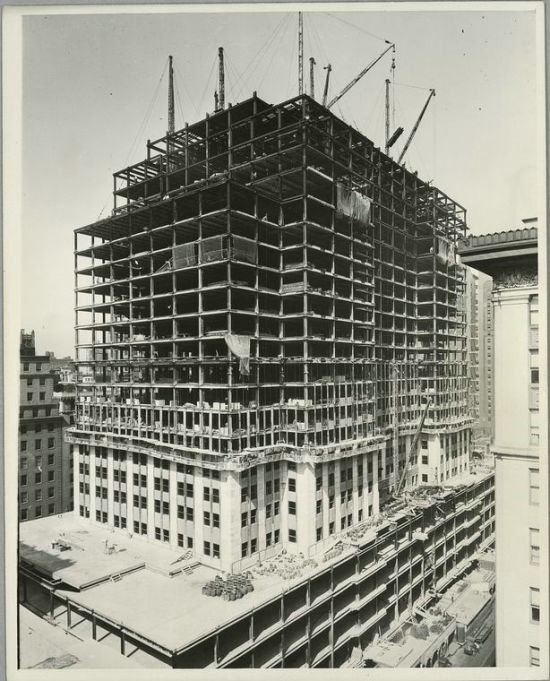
{"x":95,"y":89}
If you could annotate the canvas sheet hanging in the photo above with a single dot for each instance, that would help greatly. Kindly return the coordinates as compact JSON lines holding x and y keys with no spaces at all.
{"x":240,"y":347}
{"x":352,"y":204}
{"x":185,"y":255}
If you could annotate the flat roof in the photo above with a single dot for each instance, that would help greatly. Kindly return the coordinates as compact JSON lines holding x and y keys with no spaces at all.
{"x":88,"y":560}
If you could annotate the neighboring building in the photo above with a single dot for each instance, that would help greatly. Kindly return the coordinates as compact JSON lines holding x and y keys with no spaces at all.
{"x":486,"y":362}
{"x":511,"y":259}
{"x":477,"y":305}
{"x":45,"y":460}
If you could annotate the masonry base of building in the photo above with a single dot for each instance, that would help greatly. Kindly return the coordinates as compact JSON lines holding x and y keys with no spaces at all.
{"x":371,"y":577}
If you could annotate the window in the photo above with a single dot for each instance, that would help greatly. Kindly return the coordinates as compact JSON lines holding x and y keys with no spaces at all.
{"x":180,"y":540}
{"x":318,"y":483}
{"x":216,"y":550}
{"x":342,"y":523}
{"x":29,"y":397}
{"x":252,"y":516}
{"x":244,"y":549}
{"x":291,"y":466}
{"x":534,"y":543}
{"x":157,"y":532}
{"x":425,"y":459}
{"x":215,"y":519}
{"x":23,"y":445}
{"x":37,"y":478}
{"x":25,"y":367}
{"x":331,"y":480}
{"x":24,"y":497}
{"x":268,"y":539}
{"x":37,"y":511}
{"x":534,"y":656}
{"x":244,"y":519}
{"x":116,"y":495}
{"x":268,"y":487}
{"x":292,"y":484}
{"x":424,"y":444}
{"x":165,"y":485}
{"x":424,"y":477}
{"x":215,"y":495}
{"x":157,"y":507}
{"x":166,"y":535}
{"x":165,"y":507}
{"x":189,"y":489}
{"x":534,"y":486}
{"x":181,"y":512}
{"x":292,"y":507}
{"x":534,"y":596}
{"x":244,"y":494}
{"x":360,"y":515}
{"x":342,"y":496}
{"x":37,"y":444}
{"x":180,"y":488}
{"x":292,"y":536}
{"x":206,"y":518}
{"x":276,"y":486}
{"x":331,"y":501}
{"x":276,"y":508}
{"x":534,"y":376}
{"x":24,"y":464}
{"x":276,"y":535}
{"x":51,"y":459}
{"x":51,"y":492}
{"x":318,"y":506}
{"x":23,"y":480}
{"x":319,"y":533}
{"x":206,"y":493}
{"x":189,"y":513}
{"x":42,"y":396}
{"x":253,"y":545}
{"x":254,"y":491}
{"x":331,"y":528}
{"x":157,"y":484}
{"x":24,"y":514}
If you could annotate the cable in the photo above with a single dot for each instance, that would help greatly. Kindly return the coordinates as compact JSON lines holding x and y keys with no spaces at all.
{"x":207,"y":82}
{"x":147,"y":115}
{"x":190,"y":98}
{"x":254,"y":63}
{"x":415,"y":87}
{"x":362,"y":30}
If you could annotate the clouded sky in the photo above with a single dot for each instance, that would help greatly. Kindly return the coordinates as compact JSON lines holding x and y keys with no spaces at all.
{"x":93,"y":94}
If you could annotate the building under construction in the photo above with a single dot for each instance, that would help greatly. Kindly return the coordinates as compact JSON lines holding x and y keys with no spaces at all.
{"x":262,"y":321}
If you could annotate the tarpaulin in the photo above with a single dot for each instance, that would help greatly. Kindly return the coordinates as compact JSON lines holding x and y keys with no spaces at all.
{"x":240,"y":346}
{"x":244,"y":249}
{"x":445,"y":250}
{"x":185,"y":255}
{"x":352,"y":204}
{"x":212,"y":249}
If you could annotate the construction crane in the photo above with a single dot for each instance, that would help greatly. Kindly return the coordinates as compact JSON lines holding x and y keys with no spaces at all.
{"x":325,"y":92}
{"x":415,"y":127}
{"x":360,"y":75}
{"x":312,"y":63}
{"x":412,"y":449}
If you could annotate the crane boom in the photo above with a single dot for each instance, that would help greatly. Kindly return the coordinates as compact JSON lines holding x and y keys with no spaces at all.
{"x":325,"y":92}
{"x":359,"y":76}
{"x":412,"y":447}
{"x":415,"y":128}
